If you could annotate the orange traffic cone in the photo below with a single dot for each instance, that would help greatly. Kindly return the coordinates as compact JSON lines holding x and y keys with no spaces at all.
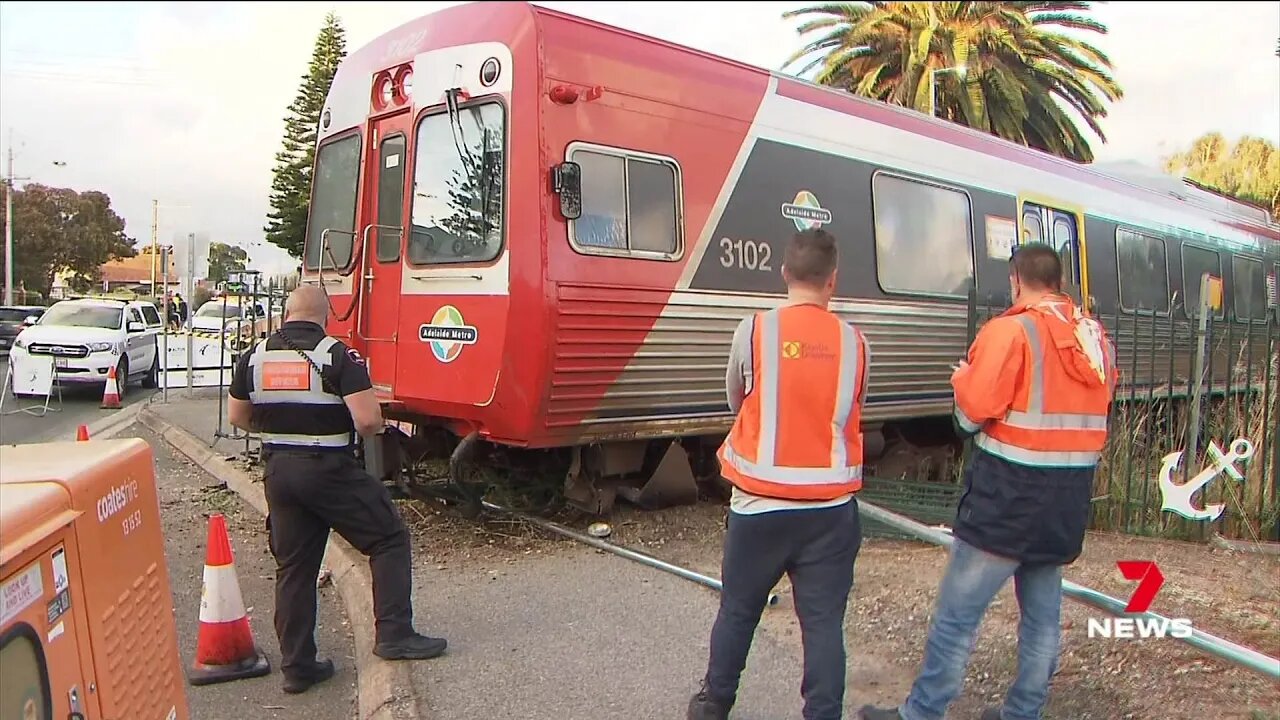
{"x":111,"y":392}
{"x":224,"y":648}
{"x":82,"y":433}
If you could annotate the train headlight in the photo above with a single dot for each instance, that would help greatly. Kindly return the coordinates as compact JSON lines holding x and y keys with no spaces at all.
{"x":489,"y":72}
{"x":402,"y":87}
{"x":385,"y":92}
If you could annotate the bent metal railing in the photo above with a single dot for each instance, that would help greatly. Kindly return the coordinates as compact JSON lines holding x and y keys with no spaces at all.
{"x":1212,"y":644}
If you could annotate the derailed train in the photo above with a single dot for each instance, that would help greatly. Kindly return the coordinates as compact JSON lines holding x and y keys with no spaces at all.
{"x":541,"y":231}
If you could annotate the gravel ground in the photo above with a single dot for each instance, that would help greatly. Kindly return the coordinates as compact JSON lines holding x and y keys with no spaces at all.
{"x":542,"y":612}
{"x":187,"y":497}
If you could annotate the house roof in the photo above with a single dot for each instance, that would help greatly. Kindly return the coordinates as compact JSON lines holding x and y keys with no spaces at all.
{"x":135,"y":269}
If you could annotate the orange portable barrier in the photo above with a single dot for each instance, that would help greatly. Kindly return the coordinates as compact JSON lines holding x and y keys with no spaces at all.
{"x":86,"y":614}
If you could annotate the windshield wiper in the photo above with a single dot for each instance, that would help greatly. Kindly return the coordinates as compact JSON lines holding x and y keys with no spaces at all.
{"x":464,"y":152}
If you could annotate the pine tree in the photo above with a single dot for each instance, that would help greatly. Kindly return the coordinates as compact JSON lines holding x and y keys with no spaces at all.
{"x":291,"y":185}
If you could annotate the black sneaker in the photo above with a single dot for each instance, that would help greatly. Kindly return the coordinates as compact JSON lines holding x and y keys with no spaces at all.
{"x":704,"y":707}
{"x":991,"y":713}
{"x":300,"y":682}
{"x":871,"y":712}
{"x":414,"y":647}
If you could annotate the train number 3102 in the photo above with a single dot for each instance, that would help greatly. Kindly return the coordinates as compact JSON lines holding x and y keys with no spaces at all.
{"x":746,"y":254}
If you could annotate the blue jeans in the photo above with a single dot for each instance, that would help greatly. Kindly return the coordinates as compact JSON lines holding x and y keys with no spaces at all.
{"x":973,"y":578}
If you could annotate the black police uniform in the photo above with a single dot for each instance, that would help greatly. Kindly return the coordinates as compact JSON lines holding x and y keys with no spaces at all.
{"x":314,"y":483}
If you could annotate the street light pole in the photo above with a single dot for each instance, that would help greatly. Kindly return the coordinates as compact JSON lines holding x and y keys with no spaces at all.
{"x":155,"y":217}
{"x":8,"y":227}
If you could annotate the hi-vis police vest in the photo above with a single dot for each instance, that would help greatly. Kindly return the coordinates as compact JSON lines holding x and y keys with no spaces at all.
{"x":798,"y":434}
{"x":1053,"y":412}
{"x":290,"y":380}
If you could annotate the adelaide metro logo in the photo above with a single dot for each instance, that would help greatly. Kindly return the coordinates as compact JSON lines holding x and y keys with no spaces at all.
{"x":447,"y":334}
{"x":1150,"y":580}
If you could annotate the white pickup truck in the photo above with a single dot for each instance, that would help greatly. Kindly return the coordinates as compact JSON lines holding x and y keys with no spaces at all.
{"x":89,"y":336}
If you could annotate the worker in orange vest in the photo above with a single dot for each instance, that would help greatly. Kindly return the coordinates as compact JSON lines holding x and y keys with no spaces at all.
{"x":797,"y":380}
{"x":1036,"y":390}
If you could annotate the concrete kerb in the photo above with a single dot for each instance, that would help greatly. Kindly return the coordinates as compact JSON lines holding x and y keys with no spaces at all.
{"x":380,"y":683}
{"x":115,"y":422}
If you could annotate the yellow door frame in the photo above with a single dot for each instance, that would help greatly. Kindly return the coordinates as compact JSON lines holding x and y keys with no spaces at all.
{"x":1074,"y":210}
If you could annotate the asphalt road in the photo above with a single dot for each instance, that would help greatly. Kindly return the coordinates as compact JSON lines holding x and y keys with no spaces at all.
{"x":79,"y":406}
{"x":187,"y":497}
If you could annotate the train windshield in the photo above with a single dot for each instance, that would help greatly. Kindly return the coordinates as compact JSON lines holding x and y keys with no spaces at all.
{"x":333,"y":204}
{"x":458,"y":186}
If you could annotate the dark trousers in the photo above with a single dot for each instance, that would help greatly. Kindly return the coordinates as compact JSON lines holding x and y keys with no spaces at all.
{"x":817,"y":549}
{"x":308,"y":493}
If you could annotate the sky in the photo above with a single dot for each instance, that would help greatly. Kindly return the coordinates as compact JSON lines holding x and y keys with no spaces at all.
{"x":183,"y":103}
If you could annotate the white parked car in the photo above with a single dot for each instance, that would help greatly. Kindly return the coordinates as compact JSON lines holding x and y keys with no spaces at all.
{"x":215,"y":316}
{"x":89,"y":336}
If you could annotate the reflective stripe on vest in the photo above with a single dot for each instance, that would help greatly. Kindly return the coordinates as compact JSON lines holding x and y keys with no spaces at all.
{"x":1034,"y":418}
{"x":286,"y":385}
{"x":340,"y":440}
{"x":839,"y":470}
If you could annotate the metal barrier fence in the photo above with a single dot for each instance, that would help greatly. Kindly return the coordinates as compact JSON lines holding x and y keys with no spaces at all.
{"x":265,"y":303}
{"x":1171,"y":435}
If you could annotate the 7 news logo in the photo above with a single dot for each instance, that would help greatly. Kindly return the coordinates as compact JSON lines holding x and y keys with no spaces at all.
{"x":1150,"y":579}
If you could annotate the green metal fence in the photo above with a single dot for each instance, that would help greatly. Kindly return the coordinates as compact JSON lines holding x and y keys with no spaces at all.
{"x":1165,"y":427}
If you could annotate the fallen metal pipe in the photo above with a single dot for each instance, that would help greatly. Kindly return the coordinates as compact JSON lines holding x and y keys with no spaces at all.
{"x":1211,"y":644}
{"x":599,"y":544}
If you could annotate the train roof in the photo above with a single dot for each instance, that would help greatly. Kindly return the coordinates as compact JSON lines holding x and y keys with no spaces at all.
{"x":403,"y":43}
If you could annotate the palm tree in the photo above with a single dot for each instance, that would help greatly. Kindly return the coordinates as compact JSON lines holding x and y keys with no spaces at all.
{"x":1002,"y":67}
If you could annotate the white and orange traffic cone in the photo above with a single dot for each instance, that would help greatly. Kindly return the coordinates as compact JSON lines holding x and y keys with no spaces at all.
{"x":82,"y":433}
{"x":224,"y":648}
{"x":111,"y":392}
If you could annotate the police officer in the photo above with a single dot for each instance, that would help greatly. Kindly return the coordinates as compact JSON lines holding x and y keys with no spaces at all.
{"x":797,"y":380}
{"x":307,"y":394}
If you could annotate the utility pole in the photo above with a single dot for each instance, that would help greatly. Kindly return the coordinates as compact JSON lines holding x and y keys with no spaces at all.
{"x":8,"y":226}
{"x":9,"y":181}
{"x":155,"y":216}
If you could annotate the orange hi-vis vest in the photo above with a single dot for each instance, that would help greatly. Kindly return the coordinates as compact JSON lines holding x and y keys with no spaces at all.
{"x":1038,"y":386}
{"x":798,"y":434}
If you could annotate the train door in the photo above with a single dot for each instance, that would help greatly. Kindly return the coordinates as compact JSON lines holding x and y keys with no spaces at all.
{"x":1061,"y":230}
{"x":383,"y":235}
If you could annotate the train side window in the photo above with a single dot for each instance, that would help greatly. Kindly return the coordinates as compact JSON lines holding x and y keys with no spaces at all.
{"x":458,"y":184}
{"x":24,"y":684}
{"x":915,"y":220}
{"x":391,"y":162}
{"x":333,"y":203}
{"x":1142,"y":266}
{"x":1248,"y":289}
{"x":630,"y":205}
{"x":1063,"y":242}
{"x":1196,"y":261}
{"x":1031,"y":229}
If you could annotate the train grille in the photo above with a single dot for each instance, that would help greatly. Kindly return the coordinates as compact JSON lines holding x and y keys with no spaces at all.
{"x":71,"y":351}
